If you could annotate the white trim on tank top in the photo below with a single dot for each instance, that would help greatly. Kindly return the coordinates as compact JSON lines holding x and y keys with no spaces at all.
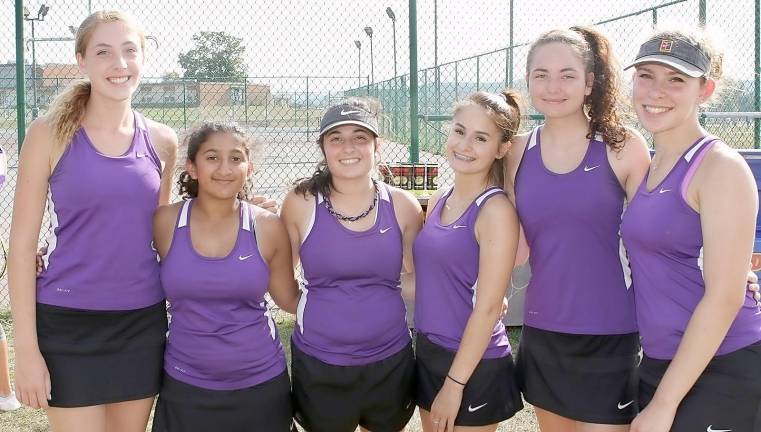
{"x":184,"y":214}
{"x":688,"y":157}
{"x":52,"y":239}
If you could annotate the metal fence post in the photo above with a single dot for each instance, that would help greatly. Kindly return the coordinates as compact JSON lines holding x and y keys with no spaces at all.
{"x":702,"y":13}
{"x":512,"y":44}
{"x":20,"y":84}
{"x":184,"y":105}
{"x":757,"y":83}
{"x":245,"y":101}
{"x":307,"y":79}
{"x":414,"y":122}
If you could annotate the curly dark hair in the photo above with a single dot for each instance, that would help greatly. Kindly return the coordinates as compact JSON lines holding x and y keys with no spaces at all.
{"x":199,"y":135}
{"x":603,"y":103}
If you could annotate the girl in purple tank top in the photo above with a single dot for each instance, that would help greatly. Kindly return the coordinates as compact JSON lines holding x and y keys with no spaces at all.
{"x":90,"y":330}
{"x":689,"y":232}
{"x":572,"y":177}
{"x":224,"y":364}
{"x":352,"y":360}
{"x":463,"y":259}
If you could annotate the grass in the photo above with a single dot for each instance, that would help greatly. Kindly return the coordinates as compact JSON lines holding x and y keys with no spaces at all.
{"x":30,"y":420}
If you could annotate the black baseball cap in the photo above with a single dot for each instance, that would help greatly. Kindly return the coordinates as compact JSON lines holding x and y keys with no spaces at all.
{"x":676,"y":53}
{"x":345,"y":114}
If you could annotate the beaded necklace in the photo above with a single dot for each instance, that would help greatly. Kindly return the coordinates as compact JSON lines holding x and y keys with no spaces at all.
{"x":338,"y":215}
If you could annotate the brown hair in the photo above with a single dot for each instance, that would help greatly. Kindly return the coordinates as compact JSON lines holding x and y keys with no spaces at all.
{"x":68,"y":108}
{"x":188,"y":185}
{"x":603,"y":102}
{"x":321,"y":181}
{"x":504,"y":109}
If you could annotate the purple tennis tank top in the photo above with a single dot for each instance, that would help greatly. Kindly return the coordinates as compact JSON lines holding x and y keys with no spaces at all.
{"x":221,"y":335}
{"x":664,"y":238}
{"x":101,"y":208}
{"x":446,"y":278}
{"x":580,"y":281}
{"x":351,"y":310}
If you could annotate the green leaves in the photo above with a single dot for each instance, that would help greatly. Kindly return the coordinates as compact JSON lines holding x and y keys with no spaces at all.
{"x":217,"y":56}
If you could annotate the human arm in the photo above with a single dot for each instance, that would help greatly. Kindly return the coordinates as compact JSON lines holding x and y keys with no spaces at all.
{"x":32,"y":378}
{"x":274,"y":244}
{"x":497,"y":236}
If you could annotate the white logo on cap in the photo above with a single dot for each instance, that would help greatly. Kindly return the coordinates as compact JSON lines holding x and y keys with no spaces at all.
{"x":349,"y":112}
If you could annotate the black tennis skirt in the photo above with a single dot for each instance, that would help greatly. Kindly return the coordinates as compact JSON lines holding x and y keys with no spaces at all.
{"x":101,"y":357}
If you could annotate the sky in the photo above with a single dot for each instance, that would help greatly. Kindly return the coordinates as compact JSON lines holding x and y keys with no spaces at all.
{"x":296,"y":38}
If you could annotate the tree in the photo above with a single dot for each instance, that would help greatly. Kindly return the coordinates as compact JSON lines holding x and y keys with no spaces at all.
{"x":216,"y":56}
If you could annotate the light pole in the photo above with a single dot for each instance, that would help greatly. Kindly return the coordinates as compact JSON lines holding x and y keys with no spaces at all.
{"x":358,"y":44}
{"x":369,"y":31}
{"x":40,"y":17}
{"x":391,"y":15}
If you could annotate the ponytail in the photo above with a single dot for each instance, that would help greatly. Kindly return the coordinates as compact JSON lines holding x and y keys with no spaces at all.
{"x":320,"y":181}
{"x":66,"y":111}
{"x":604,"y":100}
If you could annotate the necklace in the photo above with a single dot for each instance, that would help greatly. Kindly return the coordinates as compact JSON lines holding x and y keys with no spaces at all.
{"x":338,"y":215}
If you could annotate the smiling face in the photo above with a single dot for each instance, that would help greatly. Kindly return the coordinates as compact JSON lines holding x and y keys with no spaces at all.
{"x":349,"y":151}
{"x":666,"y":100}
{"x":113,"y":59}
{"x":221,"y":166}
{"x":557,"y":80}
{"x":474,"y":141}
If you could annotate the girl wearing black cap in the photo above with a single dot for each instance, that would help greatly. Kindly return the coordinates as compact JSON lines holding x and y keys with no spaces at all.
{"x":352,"y":360}
{"x":689,"y":231}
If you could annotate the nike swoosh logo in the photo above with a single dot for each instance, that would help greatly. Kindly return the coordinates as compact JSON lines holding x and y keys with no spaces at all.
{"x":587,"y":169}
{"x":664,"y":190}
{"x":140,"y":155}
{"x":384,"y":230}
{"x":711,"y":429}
{"x":471,"y":408}
{"x":349,"y":112}
{"x":245,"y":257}
{"x":459,"y":226}
{"x":622,"y":406}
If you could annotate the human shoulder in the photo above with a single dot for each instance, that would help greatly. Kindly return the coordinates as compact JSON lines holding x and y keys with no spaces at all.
{"x":634,"y":146}
{"x":404,"y":200}
{"x":498,"y":205}
{"x":166,"y":215}
{"x":40,"y":134}
{"x":164,"y":138}
{"x":724,"y":163}
{"x":264,"y":218}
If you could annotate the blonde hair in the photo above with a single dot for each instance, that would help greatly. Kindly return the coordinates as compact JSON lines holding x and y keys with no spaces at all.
{"x":68,"y":108}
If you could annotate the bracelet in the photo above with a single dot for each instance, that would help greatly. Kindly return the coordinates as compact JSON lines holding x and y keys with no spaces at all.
{"x":458,"y":382}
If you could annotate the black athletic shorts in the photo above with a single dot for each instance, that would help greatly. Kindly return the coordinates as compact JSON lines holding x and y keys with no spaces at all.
{"x":376,"y":396}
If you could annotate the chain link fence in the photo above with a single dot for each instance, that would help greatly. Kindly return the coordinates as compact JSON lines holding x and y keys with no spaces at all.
{"x":284,"y":62}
